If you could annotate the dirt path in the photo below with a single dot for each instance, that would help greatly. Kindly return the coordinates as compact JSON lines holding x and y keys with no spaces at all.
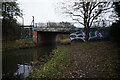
{"x":87,"y":64}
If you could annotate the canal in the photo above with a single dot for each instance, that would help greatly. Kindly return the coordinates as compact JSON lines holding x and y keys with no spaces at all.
{"x":19,"y":63}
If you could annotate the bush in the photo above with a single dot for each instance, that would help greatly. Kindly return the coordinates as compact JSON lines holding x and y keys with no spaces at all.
{"x":10,"y":30}
{"x":115,"y":31}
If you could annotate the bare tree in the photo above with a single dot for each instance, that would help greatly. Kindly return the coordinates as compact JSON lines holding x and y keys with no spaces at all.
{"x":85,"y":12}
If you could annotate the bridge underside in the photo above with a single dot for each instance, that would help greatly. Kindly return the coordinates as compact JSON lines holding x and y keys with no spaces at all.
{"x":45,"y":38}
{"x":44,"y":35}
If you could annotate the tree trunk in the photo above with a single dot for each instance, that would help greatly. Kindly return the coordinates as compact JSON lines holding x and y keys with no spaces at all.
{"x":87,"y":31}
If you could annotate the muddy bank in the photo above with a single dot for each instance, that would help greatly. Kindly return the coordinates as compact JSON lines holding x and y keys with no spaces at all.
{"x":17,"y":44}
{"x":23,"y":44}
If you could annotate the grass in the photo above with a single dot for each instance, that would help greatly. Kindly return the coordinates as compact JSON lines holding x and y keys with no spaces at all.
{"x":65,"y":40}
{"x":17,"y":44}
{"x":56,"y":66}
{"x":0,"y":47}
{"x":104,"y":54}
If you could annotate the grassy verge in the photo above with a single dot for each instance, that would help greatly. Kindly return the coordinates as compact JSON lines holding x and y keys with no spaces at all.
{"x":65,"y":41}
{"x":0,"y":48}
{"x":56,"y":66}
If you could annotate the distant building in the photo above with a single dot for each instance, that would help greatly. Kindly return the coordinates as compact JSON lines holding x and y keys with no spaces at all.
{"x":41,"y":24}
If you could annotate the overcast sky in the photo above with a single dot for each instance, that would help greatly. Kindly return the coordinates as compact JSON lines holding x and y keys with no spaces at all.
{"x":42,"y":10}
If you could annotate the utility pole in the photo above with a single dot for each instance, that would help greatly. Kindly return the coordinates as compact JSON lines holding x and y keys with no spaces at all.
{"x":22,"y":21}
{"x":33,"y":21}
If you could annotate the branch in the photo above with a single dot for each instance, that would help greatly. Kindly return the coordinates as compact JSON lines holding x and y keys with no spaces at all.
{"x":81,"y":11}
{"x":106,"y":9}
{"x":72,"y":14}
{"x":83,"y":6}
{"x":77,"y":15}
{"x":77,"y":20}
{"x":91,"y":5}
{"x":94,"y":18}
{"x":94,"y":6}
{"x":78,"y":8}
{"x":99,"y":13}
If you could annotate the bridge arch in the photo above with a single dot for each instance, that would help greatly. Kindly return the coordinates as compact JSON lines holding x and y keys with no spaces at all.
{"x":46,"y":38}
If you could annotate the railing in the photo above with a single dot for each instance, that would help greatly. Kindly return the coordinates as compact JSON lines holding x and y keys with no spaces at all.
{"x":51,"y":29}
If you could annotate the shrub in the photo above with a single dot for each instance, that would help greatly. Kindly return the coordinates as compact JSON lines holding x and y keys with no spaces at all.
{"x":115,"y":31}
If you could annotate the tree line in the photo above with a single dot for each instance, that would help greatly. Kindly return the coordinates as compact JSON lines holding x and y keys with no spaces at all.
{"x":85,"y":13}
{"x":115,"y":28}
{"x":10,"y":12}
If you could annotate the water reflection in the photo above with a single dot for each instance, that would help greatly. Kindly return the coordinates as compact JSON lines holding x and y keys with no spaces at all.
{"x":17,"y":62}
{"x":23,"y":70}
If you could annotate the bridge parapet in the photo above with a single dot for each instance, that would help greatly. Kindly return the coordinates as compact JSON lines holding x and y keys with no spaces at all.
{"x":51,"y":29}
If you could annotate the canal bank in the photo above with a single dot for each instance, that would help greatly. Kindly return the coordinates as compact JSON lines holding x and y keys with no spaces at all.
{"x":78,"y":60}
{"x":19,"y":63}
{"x":17,"y":44}
{"x":56,"y":66}
{"x":29,"y":43}
{"x":21,"y":57}
{"x":82,"y":60}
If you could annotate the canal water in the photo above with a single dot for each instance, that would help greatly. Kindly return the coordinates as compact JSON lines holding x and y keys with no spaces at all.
{"x":19,"y":63}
